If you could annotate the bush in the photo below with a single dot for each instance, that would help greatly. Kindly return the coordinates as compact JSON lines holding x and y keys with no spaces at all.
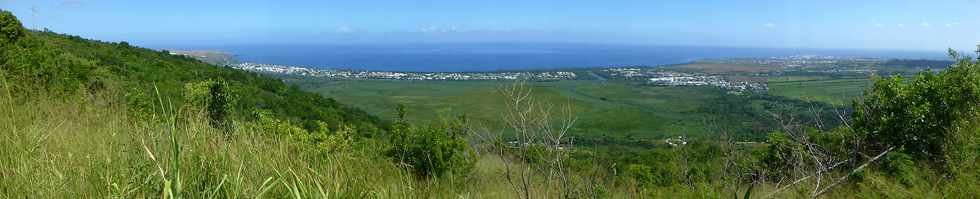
{"x":10,"y":28}
{"x":268,"y":123}
{"x":783,"y":156}
{"x":432,"y":151}
{"x":324,"y":140}
{"x":642,"y":174}
{"x":920,"y":117}
{"x":214,"y":97}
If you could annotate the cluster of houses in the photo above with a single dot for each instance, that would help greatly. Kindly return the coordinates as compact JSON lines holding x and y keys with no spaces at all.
{"x":392,"y":75}
{"x":278,"y":69}
{"x":636,"y":72}
{"x":706,"y":80}
{"x":686,"y":79}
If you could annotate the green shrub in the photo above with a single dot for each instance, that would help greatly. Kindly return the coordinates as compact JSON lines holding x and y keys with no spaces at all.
{"x":38,"y":67}
{"x":782,"y":156}
{"x":324,"y":140}
{"x":433,"y":150}
{"x":214,"y":97}
{"x":920,"y":117}
{"x":268,"y":123}
{"x":10,"y":28}
{"x":641,"y":173}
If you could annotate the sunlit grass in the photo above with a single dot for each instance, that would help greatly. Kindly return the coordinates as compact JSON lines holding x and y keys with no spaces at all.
{"x":58,"y":149}
{"x":54,"y":148}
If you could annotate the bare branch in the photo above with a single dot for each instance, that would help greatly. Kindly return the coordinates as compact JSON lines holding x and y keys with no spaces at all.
{"x":858,"y":169}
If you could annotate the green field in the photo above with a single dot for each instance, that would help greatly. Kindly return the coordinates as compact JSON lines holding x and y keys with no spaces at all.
{"x":613,"y":109}
{"x":835,"y":91}
{"x":601,"y":108}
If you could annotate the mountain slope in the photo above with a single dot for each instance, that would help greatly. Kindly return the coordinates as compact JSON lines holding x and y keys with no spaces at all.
{"x":41,"y":63}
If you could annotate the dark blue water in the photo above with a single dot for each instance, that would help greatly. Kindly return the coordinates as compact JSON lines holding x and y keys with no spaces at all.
{"x":510,"y":56}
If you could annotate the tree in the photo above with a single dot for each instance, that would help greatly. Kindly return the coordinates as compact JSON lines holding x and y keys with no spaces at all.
{"x":10,"y":28}
{"x":920,"y":117}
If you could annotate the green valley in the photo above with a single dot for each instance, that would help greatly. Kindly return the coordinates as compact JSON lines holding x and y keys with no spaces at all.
{"x":618,"y":109}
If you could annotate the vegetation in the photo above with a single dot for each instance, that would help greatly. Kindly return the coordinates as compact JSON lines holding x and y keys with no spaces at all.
{"x":12,"y":29}
{"x":83,"y":119}
{"x":923,"y":117}
{"x":46,"y":62}
{"x":610,"y":113}
{"x":432,"y":151}
{"x":836,"y":91}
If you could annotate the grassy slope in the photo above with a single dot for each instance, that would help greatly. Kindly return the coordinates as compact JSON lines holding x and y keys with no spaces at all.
{"x":56,"y":149}
{"x":134,"y":72}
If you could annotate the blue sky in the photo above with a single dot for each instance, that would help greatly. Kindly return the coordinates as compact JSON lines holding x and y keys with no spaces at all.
{"x":909,"y":25}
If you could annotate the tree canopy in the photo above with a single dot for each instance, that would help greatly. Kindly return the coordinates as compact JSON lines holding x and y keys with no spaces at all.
{"x":921,"y":116}
{"x":10,"y":28}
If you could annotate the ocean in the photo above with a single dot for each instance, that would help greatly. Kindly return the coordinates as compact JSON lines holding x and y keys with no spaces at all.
{"x":513,"y":56}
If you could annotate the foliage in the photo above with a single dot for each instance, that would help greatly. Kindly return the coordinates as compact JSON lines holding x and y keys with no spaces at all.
{"x":10,"y":28}
{"x":214,"y":97}
{"x":265,"y":121}
{"x":323,"y":140}
{"x":38,"y":67}
{"x":645,"y":175}
{"x":51,"y":63}
{"x":328,"y":141}
{"x":901,"y":167}
{"x":632,"y":114}
{"x":920,"y":116}
{"x":433,"y":150}
{"x":783,"y":156}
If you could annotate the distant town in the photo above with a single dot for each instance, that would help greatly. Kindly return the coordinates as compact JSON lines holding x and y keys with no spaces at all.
{"x":392,"y":75}
{"x":670,"y":78}
{"x":703,"y":72}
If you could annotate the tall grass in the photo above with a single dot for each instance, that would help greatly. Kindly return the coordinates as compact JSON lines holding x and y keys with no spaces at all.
{"x":75,"y":147}
{"x":58,"y":148}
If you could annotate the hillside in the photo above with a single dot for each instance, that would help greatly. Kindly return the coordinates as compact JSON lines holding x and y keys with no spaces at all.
{"x":47,"y":62}
{"x":215,"y":57}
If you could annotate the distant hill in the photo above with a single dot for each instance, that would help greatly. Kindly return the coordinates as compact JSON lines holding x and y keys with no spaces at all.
{"x":215,"y":57}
